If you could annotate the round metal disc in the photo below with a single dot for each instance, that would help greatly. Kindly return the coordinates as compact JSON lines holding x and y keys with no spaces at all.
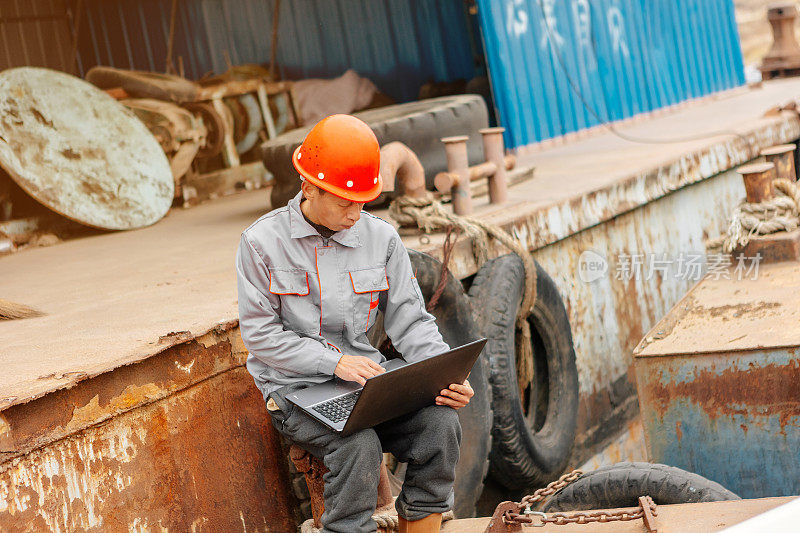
{"x":80,"y":152}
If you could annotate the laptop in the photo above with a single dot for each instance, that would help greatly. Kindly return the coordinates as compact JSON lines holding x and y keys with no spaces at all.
{"x":347,"y":407}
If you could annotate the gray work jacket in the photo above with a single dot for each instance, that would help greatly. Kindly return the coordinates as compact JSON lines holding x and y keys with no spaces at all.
{"x":304,"y":300}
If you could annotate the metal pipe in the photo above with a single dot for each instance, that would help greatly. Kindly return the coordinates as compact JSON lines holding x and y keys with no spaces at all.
{"x":444,"y":181}
{"x":758,"y":181}
{"x":482,"y":170}
{"x":782,"y":156}
{"x":493,"y":152}
{"x":458,"y":163}
{"x":399,"y":164}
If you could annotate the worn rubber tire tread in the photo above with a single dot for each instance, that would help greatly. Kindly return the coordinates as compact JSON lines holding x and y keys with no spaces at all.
{"x":419,"y":125}
{"x":455,"y":320}
{"x":519,"y":457}
{"x":142,"y":84}
{"x":621,"y":484}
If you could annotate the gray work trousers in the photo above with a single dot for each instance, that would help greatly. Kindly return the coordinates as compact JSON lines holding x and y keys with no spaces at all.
{"x":428,"y":440}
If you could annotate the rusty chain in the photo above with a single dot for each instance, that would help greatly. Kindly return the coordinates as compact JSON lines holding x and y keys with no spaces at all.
{"x":646,"y":510}
{"x":550,"y":489}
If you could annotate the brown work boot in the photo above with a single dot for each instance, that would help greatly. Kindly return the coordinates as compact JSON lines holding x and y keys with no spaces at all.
{"x":430,"y":524}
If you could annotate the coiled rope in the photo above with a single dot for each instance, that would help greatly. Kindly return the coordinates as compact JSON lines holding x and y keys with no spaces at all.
{"x":781,"y":213}
{"x":428,"y":214}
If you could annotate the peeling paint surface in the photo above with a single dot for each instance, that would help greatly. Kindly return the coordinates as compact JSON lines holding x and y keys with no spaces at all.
{"x":666,"y":210}
{"x":628,"y":446}
{"x":732,"y":417}
{"x":148,"y":447}
{"x":609,"y":315}
{"x":102,"y":397}
{"x":184,"y":463}
{"x":720,"y":390}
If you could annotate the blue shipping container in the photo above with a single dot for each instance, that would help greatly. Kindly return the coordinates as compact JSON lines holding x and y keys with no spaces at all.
{"x":558,"y":66}
{"x":555,"y":66}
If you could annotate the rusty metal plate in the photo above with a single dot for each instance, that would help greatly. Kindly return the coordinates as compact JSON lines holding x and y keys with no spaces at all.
{"x":79,"y":152}
{"x":747,"y":308}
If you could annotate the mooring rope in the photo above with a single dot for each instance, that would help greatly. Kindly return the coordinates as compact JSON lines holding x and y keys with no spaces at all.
{"x":781,"y":213}
{"x":428,"y":214}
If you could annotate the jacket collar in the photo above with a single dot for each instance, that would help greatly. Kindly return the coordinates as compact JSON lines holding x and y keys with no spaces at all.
{"x":299,"y":226}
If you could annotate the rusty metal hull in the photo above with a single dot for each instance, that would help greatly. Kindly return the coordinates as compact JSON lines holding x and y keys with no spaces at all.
{"x":719,"y":381}
{"x":180,"y":441}
{"x":608,"y":315}
{"x":730,"y":417}
{"x":670,"y":208}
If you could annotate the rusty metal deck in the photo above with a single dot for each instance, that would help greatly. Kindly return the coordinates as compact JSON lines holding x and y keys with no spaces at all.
{"x":115,"y":301}
{"x":118,"y":298}
{"x":583,"y":183}
{"x":730,"y":314}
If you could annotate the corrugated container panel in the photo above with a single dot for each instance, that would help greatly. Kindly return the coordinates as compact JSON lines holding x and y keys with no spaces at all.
{"x":35,"y":33}
{"x":398,"y":44}
{"x":558,"y":66}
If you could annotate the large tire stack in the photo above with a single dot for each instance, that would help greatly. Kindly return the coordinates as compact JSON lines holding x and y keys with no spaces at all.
{"x":455,"y":320}
{"x":419,"y":125}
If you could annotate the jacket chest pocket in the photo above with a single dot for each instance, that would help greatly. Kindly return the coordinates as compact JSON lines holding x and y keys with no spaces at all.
{"x":300,"y":311}
{"x":367,"y":287}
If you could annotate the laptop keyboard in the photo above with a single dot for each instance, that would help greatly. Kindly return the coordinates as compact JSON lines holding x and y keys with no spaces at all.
{"x":338,"y":409}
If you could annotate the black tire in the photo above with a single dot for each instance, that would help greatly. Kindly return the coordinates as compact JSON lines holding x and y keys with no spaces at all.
{"x":140,"y":84}
{"x":621,"y":484}
{"x":454,"y":318}
{"x":533,"y":430}
{"x":419,"y":125}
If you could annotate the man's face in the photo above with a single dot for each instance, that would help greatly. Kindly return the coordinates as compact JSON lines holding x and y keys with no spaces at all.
{"x":330,"y":210}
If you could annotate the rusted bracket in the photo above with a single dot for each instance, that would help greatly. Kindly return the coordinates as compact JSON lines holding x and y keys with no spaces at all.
{"x":498,"y":525}
{"x":647,"y":515}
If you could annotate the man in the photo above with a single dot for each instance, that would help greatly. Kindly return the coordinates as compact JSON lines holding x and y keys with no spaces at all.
{"x":311,"y":278}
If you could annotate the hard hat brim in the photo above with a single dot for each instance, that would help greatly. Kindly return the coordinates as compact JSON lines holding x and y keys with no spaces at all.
{"x":353,"y":196}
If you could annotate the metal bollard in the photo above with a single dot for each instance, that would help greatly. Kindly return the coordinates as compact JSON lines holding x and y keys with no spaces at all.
{"x":493,"y":151}
{"x":758,"y":181}
{"x":458,"y":163}
{"x":782,"y":156}
{"x":783,"y":58}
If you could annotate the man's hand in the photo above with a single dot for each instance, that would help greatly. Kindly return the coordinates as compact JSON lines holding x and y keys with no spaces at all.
{"x":357,"y":368}
{"x":456,"y":396}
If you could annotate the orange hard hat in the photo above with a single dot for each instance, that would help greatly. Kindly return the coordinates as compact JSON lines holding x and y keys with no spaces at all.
{"x":341,"y":155}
